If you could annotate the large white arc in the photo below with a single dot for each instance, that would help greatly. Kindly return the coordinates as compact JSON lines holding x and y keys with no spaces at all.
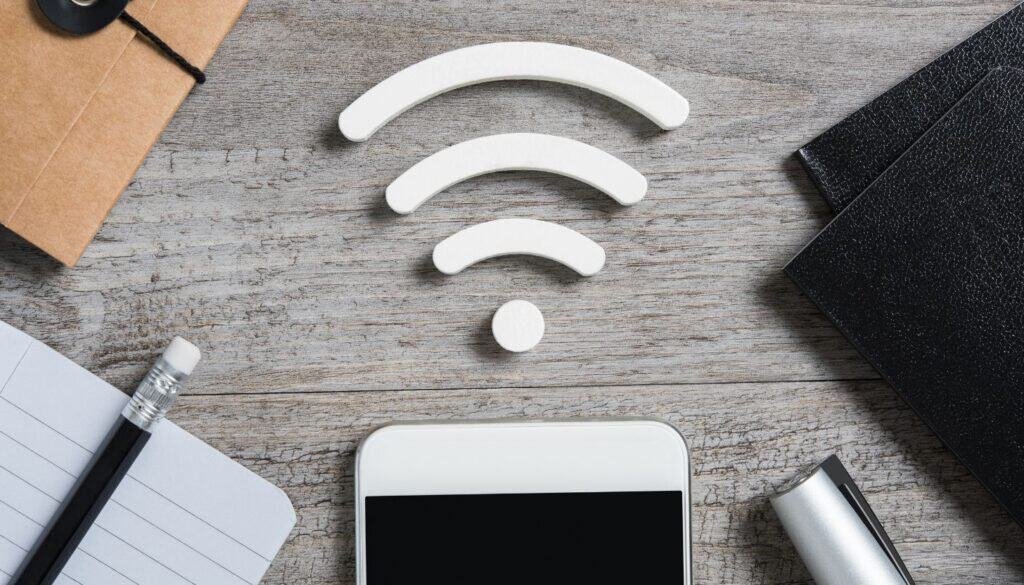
{"x":515,"y":152}
{"x":516,"y":60}
{"x":531,"y":237}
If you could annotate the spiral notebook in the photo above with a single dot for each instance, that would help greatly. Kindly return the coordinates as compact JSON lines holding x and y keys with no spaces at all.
{"x":185,"y":514}
{"x":924,"y":274}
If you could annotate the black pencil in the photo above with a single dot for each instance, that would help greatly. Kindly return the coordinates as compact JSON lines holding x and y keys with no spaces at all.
{"x":110,"y":463}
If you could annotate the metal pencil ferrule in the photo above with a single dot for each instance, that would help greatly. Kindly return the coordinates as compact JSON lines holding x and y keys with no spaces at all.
{"x":155,"y":395}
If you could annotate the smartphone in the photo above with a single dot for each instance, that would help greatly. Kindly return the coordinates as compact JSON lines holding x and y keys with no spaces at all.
{"x":524,"y":502}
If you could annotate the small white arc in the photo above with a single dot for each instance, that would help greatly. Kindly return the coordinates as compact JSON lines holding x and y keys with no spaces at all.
{"x":531,"y":237}
{"x":506,"y":61}
{"x":515,"y":152}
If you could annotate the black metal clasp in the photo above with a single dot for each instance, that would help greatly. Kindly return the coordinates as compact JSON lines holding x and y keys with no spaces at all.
{"x":81,"y":17}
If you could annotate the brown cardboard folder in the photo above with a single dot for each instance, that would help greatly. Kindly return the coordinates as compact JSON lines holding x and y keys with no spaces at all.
{"x":79,"y":114}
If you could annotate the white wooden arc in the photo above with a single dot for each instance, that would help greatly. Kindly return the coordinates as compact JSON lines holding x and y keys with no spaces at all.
{"x":531,"y":237}
{"x":512,"y":60}
{"x":515,"y":152}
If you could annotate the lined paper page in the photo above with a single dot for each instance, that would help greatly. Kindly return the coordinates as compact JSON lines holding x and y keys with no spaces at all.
{"x":185,"y":514}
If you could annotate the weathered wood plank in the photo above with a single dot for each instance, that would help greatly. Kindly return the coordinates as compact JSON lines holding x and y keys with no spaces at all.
{"x":346,"y":301}
{"x":256,"y":230}
{"x":746,"y":440}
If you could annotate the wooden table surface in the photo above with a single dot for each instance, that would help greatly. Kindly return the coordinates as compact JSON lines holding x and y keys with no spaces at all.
{"x":254,"y":229}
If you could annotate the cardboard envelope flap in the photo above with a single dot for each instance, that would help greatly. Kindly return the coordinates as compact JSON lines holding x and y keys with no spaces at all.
{"x":48,"y":78}
{"x":194,"y":28}
{"x":84,"y":152}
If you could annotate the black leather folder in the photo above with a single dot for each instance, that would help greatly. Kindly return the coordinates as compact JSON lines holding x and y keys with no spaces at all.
{"x":924,"y":274}
{"x":848,"y":157}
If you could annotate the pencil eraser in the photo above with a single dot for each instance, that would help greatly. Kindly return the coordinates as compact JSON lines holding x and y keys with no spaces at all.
{"x":182,"y":355}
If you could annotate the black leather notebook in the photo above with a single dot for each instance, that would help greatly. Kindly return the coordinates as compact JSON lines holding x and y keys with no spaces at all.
{"x":924,"y":274}
{"x":846,"y":158}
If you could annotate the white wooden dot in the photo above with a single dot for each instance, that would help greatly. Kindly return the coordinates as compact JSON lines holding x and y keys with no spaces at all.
{"x":518,"y":326}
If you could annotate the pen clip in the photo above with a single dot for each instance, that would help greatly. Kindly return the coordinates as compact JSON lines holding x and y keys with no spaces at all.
{"x":839,"y":476}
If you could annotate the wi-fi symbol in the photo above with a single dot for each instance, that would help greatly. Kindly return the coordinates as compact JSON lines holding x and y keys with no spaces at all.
{"x":518,"y":325}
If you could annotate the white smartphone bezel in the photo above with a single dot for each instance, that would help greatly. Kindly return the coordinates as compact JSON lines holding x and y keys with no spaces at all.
{"x":506,"y":457}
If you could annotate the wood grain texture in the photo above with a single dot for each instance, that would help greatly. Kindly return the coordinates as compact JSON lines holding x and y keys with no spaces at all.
{"x":256,"y":231}
{"x":744,"y":445}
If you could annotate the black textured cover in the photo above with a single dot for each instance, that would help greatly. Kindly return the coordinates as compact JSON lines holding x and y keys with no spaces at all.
{"x":846,"y":158}
{"x":924,"y":274}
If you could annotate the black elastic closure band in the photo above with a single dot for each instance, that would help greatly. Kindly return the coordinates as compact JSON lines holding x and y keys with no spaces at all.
{"x":182,"y":62}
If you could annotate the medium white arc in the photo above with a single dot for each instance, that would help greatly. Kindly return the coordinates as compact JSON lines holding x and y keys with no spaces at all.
{"x":531,"y":237}
{"x":507,"y":61}
{"x":515,"y":152}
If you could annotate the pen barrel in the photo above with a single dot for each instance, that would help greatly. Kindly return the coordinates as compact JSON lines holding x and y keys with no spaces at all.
{"x":831,"y":537}
{"x":90,"y":494}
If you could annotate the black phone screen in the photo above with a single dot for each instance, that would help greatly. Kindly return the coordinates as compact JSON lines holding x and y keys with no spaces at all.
{"x":529,"y":539}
